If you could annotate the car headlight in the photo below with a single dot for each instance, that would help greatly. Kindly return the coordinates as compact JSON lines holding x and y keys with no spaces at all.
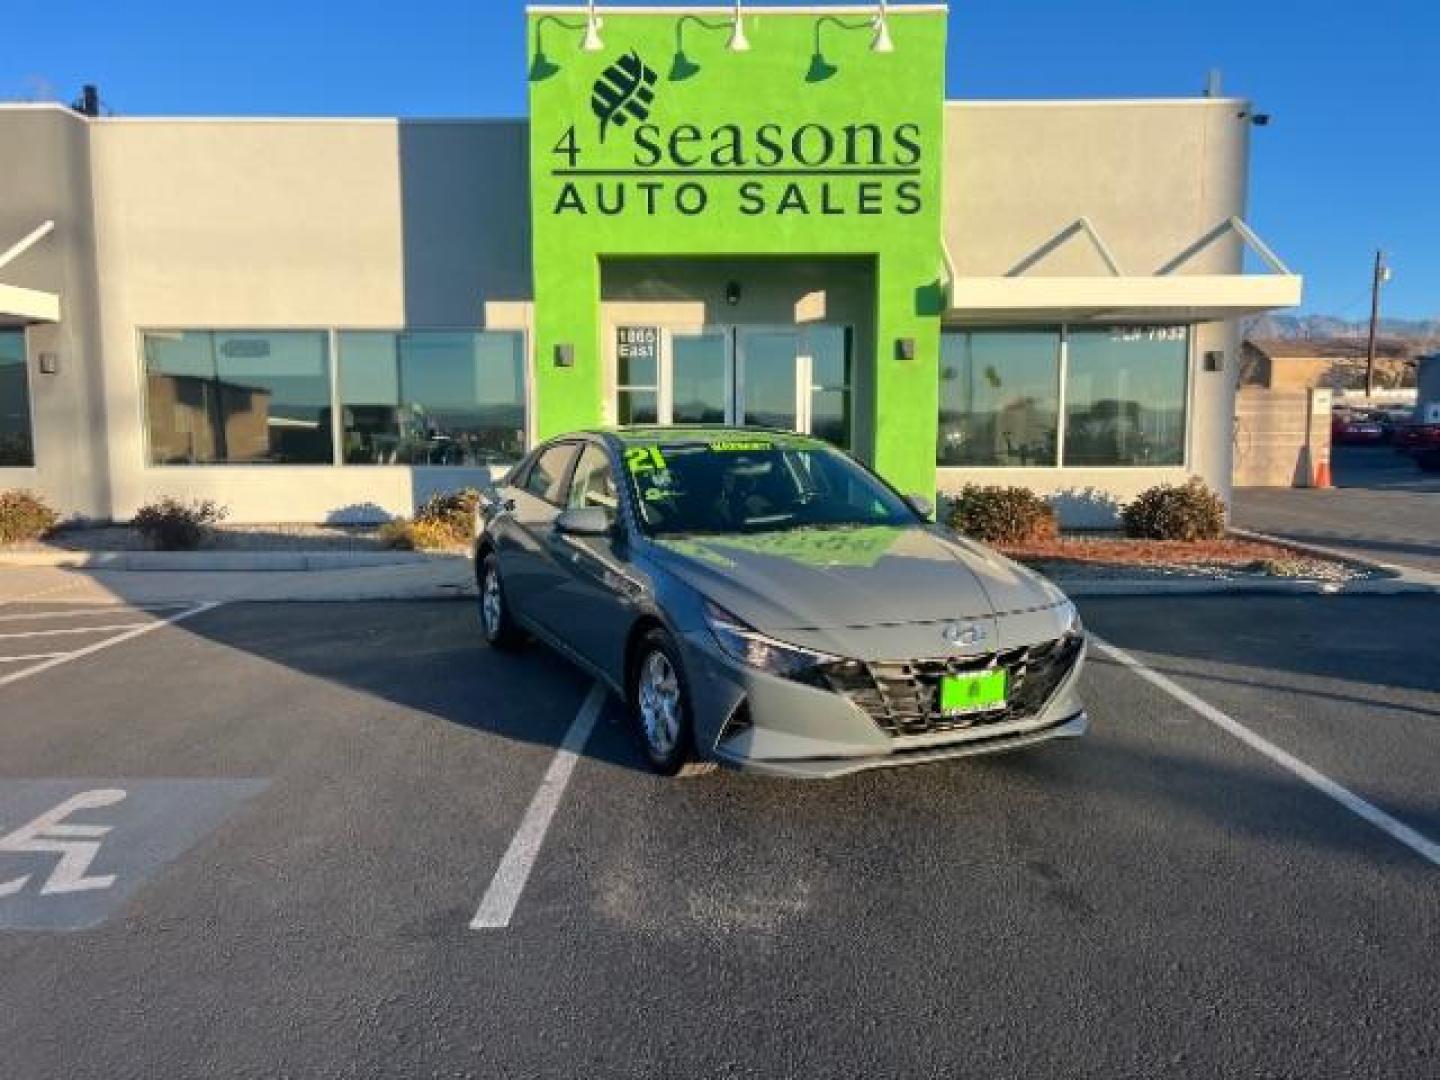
{"x":744,"y":643}
{"x":1070,"y":617}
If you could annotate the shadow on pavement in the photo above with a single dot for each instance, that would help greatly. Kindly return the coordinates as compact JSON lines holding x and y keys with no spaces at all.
{"x":1370,"y":641}
{"x":425,"y":656}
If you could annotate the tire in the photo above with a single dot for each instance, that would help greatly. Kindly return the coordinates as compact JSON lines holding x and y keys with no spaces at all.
{"x":660,"y":708}
{"x":495,"y":621}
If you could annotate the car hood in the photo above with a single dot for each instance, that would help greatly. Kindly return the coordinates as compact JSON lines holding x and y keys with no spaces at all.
{"x":852,"y":577}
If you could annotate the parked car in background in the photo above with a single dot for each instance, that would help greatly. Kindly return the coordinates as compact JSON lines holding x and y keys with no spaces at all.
{"x":1416,"y":438}
{"x":760,"y":599}
{"x":1350,"y":427}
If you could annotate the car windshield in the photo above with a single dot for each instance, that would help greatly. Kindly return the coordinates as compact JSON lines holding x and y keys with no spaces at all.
{"x":754,"y":484}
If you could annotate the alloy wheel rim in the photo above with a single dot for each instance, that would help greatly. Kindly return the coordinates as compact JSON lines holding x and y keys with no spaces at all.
{"x":660,"y":703}
{"x":490,"y":602}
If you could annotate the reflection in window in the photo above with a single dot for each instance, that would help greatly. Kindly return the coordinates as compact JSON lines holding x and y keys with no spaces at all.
{"x":999,"y":397}
{"x":637,"y":376}
{"x":238,"y":397}
{"x":432,"y":397}
{"x":1125,"y":396}
{"x":830,"y":383}
{"x":16,"y":444}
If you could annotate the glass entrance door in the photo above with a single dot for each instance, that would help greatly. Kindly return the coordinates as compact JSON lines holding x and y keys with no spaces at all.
{"x":796,"y":378}
{"x":769,"y":377}
{"x":701,"y":377}
{"x":789,"y":377}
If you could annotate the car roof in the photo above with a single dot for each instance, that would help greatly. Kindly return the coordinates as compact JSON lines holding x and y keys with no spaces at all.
{"x":681,"y":433}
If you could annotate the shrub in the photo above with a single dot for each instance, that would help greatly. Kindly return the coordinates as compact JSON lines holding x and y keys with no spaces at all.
{"x":1188,"y":511}
{"x":418,"y":535}
{"x":171,"y":525}
{"x":24,"y":516}
{"x":1001,"y":515}
{"x":451,"y":513}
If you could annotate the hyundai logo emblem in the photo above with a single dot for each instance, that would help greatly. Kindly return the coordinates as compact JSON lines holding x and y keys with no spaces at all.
{"x":961,"y":634}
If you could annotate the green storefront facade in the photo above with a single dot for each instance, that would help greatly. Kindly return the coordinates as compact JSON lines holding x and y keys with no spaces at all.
{"x":669,"y":146}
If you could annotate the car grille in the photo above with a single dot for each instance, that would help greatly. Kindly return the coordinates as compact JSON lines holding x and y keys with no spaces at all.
{"x":903,"y":696}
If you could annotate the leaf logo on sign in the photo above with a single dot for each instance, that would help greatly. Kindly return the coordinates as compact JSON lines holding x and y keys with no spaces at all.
{"x":623,"y":91}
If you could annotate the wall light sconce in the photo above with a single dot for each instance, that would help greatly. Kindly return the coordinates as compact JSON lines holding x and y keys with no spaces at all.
{"x":732,"y":293}
{"x":821,"y":69}
{"x":541,"y":66}
{"x":738,"y":41}
{"x":1215,"y":360}
{"x":593,"y":22}
{"x":565,"y":355}
{"x":49,"y":363}
{"x":683,"y":67}
{"x":881,"y":43}
{"x":905,"y":348}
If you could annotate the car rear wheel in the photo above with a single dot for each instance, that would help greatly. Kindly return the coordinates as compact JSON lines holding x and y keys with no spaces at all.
{"x":500,"y":629}
{"x":660,"y":705}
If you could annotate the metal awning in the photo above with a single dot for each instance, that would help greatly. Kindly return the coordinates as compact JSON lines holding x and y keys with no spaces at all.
{"x":20,"y":306}
{"x":1165,"y":296}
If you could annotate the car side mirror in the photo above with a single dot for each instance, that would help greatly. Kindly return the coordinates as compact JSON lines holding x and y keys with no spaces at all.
{"x":921,"y":505}
{"x":584,"y":521}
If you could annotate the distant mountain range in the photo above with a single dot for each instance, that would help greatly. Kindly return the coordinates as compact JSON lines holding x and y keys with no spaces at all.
{"x":1423,"y":333}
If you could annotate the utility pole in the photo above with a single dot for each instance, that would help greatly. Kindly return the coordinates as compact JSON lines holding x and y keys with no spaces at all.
{"x":1382,"y":275}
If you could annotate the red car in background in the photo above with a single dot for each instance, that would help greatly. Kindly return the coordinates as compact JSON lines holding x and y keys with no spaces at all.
{"x":1422,"y":442}
{"x":1355,"y":427}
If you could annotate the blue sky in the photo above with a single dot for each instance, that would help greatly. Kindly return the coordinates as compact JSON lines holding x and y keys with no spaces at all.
{"x":1350,"y":161}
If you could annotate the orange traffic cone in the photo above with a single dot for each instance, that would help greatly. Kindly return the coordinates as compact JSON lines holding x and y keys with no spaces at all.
{"x":1322,"y":475}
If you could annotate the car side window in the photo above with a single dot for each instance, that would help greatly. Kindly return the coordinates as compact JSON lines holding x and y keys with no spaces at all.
{"x":594,"y":482}
{"x":547,"y":476}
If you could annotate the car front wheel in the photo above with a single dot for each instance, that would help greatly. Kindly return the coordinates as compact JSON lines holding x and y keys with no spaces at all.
{"x":500,"y":629}
{"x":660,"y":704}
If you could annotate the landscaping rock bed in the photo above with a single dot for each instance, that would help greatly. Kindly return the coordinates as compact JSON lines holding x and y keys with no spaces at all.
{"x":1113,"y":557}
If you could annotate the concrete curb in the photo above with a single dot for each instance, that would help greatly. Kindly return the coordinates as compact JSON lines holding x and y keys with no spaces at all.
{"x":1078,"y":588}
{"x":1419,"y":580}
{"x":220,"y":561}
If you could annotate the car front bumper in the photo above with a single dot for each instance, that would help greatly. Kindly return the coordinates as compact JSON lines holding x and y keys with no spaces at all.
{"x":756,"y":722}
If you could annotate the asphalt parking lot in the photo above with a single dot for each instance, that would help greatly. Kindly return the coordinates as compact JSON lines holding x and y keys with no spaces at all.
{"x":254,"y":841}
{"x":1382,"y":507}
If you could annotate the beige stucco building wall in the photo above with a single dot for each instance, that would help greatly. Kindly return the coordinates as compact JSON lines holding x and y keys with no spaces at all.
{"x":305,"y":224}
{"x":1153,"y":178}
{"x":387,"y":224}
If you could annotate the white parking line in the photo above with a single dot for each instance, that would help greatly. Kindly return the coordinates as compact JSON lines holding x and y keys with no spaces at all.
{"x":31,"y":656}
{"x":1398,"y":830}
{"x":78,"y":612}
{"x":498,"y":904}
{"x":136,"y":631}
{"x":73,"y":630}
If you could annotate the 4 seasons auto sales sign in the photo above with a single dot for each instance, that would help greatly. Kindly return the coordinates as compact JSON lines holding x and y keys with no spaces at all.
{"x":665,"y":143}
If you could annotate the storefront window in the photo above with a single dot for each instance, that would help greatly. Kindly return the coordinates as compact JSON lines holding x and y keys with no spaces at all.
{"x":238,"y":397}
{"x":1125,"y":395}
{"x":16,"y":445}
{"x":830,"y":384}
{"x":637,"y":385}
{"x":999,"y":397}
{"x":433,"y":397}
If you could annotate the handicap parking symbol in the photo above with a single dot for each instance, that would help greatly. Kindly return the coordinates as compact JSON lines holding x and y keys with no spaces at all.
{"x":73,"y":851}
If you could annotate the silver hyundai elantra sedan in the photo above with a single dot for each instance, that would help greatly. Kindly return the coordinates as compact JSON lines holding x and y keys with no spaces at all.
{"x":760,"y":599}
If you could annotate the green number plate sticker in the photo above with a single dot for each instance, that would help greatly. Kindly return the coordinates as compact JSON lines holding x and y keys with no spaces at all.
{"x":983,"y":691}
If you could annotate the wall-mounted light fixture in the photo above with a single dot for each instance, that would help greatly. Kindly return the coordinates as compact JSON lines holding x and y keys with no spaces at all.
{"x":881,"y":42}
{"x":738,"y":41}
{"x":1215,"y":360}
{"x":49,"y":363}
{"x":683,"y":67}
{"x":905,"y":348}
{"x":878,"y":24}
{"x":564,"y":355}
{"x":732,"y":293}
{"x":591,"y":42}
